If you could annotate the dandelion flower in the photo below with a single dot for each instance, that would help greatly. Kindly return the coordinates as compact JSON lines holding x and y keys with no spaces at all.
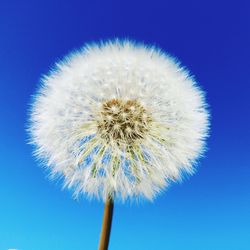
{"x":119,"y":120}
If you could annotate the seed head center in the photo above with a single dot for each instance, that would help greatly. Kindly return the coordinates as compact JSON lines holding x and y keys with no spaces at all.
{"x":123,"y":121}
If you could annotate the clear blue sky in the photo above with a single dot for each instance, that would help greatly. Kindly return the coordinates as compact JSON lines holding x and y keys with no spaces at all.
{"x":210,"y":210}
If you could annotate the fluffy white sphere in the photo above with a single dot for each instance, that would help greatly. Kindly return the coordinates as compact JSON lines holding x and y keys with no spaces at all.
{"x":119,"y":119}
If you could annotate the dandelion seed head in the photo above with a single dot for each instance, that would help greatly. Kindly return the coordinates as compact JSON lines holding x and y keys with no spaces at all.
{"x":119,"y":119}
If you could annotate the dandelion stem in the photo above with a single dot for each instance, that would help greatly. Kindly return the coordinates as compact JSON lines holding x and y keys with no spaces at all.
{"x":106,"y":224}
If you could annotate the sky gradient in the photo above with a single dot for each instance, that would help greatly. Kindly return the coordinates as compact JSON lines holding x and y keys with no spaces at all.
{"x":207,"y":211}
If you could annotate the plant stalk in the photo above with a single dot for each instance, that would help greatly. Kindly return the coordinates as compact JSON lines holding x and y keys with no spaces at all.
{"x":106,"y":224}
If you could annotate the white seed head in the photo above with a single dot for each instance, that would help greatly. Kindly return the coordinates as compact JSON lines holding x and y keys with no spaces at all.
{"x":120,"y":120}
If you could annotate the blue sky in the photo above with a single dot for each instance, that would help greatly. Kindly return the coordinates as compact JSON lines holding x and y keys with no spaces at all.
{"x":208,"y":211}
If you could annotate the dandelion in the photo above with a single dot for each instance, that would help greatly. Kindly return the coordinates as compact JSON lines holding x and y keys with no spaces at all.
{"x":118,"y":120}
